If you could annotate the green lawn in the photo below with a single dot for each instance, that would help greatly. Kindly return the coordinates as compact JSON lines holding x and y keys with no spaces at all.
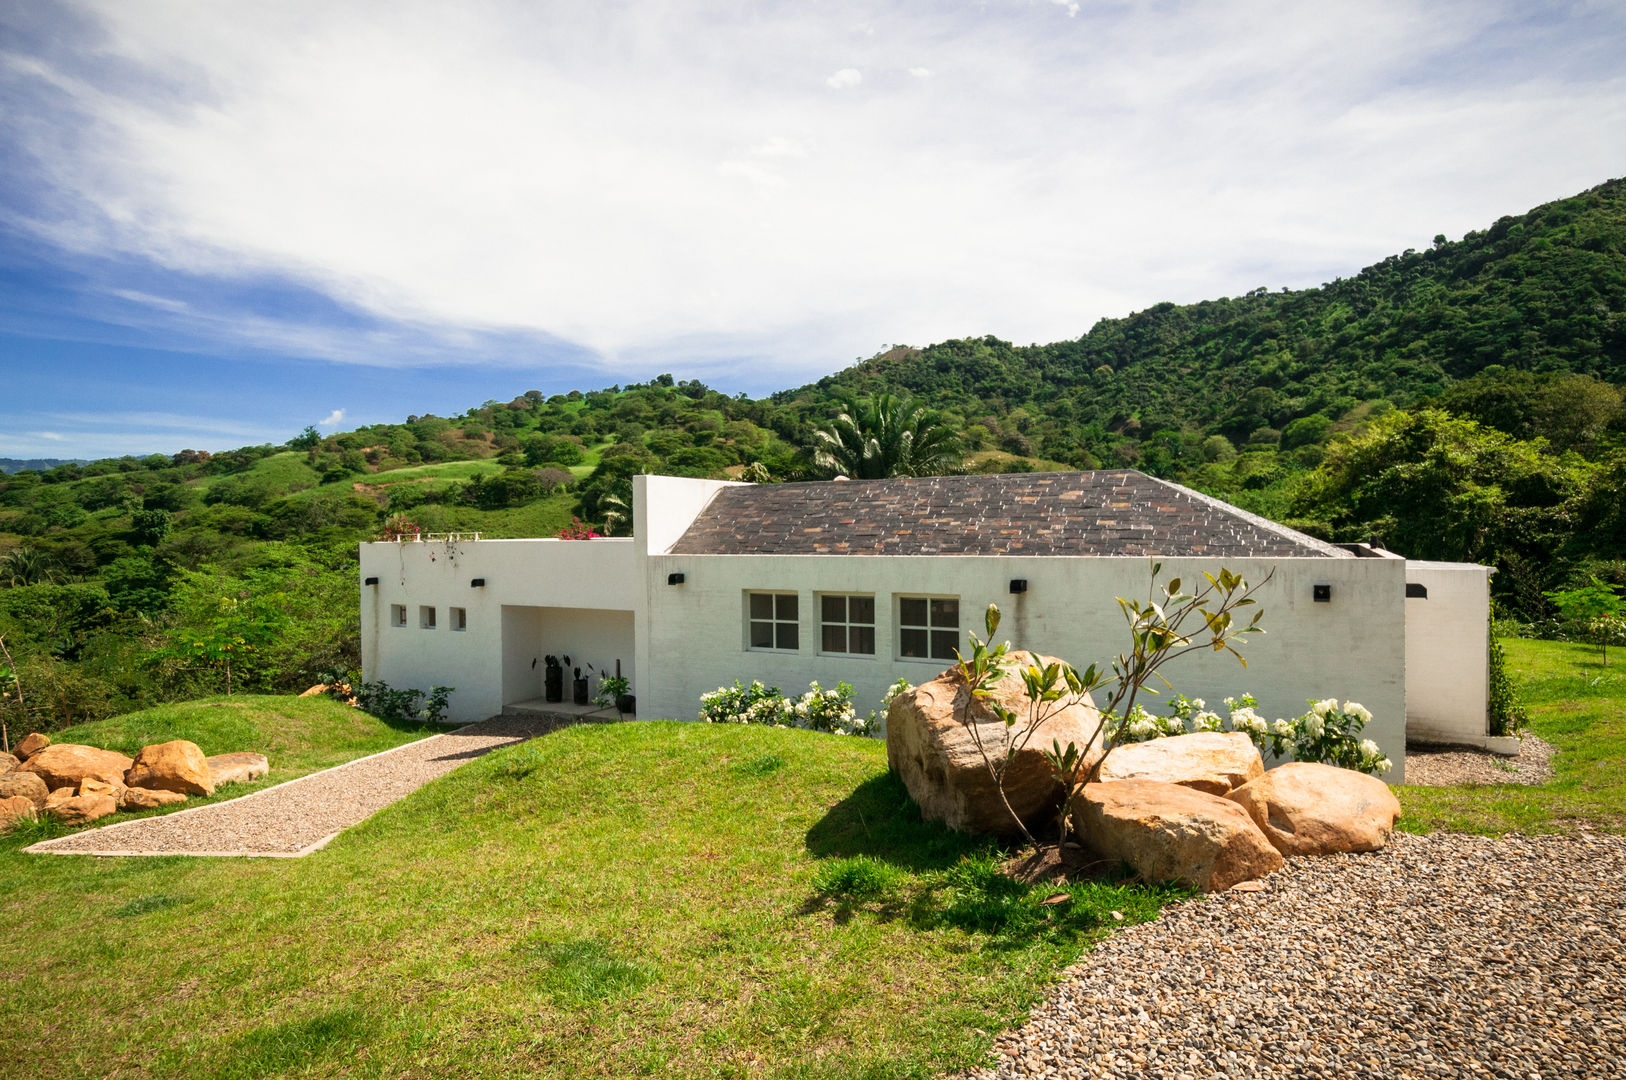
{"x":656,"y":899}
{"x":1578,"y":705}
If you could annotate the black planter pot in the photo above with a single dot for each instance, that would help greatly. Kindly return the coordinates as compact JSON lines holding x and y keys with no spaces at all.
{"x":579,"y":686}
{"x":553,"y":684}
{"x":626,"y":704}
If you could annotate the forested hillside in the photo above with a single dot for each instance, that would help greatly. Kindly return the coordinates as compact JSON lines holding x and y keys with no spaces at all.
{"x":1459,"y":403}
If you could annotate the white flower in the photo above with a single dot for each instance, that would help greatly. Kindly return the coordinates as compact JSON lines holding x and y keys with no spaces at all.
{"x":1206,"y":721}
{"x":1198,"y":703}
{"x":1358,"y":711}
{"x":1314,"y":726}
{"x":1230,"y":703}
{"x":1322,"y":708}
{"x":1283,"y":728}
{"x":1370,"y":751}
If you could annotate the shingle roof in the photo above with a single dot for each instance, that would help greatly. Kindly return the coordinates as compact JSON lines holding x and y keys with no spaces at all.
{"x":1107,"y":512}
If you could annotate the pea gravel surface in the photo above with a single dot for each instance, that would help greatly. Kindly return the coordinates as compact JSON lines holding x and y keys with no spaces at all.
{"x":1440,"y":956}
{"x":298,"y":817}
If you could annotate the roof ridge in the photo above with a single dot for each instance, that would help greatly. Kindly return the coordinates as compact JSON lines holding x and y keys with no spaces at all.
{"x":1265,"y":523}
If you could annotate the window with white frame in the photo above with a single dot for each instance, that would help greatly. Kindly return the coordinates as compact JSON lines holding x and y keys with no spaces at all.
{"x":397,"y":614}
{"x":458,"y":618}
{"x":426,"y":617}
{"x":771,"y":621}
{"x":847,"y":624}
{"x":928,"y":627}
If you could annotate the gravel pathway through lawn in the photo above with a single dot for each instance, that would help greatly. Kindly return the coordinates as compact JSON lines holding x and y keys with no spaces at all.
{"x":1442,"y":956}
{"x":301,"y":815}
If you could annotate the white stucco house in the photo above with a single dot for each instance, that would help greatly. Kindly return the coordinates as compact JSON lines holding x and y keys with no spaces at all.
{"x":867,"y":581}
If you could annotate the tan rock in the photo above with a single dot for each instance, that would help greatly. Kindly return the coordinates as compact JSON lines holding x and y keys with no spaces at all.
{"x":25,"y":784}
{"x":13,"y":807}
{"x":319,"y":688}
{"x":1304,"y":808}
{"x":238,"y":768}
{"x":80,"y":809}
{"x":1171,"y":832}
{"x":32,"y":745}
{"x":67,"y":764}
{"x":92,"y":785}
{"x":136,"y":798}
{"x":171,"y":766}
{"x":8,"y":762}
{"x":1211,"y":761}
{"x":937,"y":757}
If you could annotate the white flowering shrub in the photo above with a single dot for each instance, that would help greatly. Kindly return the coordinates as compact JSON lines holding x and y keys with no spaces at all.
{"x":1329,"y":733}
{"x":816,"y":710}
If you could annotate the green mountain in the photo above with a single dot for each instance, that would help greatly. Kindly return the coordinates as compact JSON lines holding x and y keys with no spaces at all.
{"x":1462,"y":403}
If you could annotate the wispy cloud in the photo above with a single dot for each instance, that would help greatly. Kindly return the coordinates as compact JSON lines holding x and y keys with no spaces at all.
{"x":333,"y":419}
{"x":676,"y":181}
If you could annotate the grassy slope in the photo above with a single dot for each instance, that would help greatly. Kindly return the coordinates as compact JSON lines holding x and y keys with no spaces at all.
{"x":626,"y":900}
{"x":1579,"y":706}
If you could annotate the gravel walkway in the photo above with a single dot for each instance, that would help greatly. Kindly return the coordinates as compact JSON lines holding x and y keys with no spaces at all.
{"x":1443,"y":766}
{"x":302,"y":815}
{"x":1442,"y":956}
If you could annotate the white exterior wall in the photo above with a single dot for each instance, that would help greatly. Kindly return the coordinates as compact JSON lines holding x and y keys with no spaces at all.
{"x":1447,"y":652}
{"x":523,"y":612}
{"x":1352,"y":647}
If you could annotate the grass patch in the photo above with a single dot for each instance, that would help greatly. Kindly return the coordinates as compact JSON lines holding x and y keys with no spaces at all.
{"x":143,"y":905}
{"x":1579,"y":706}
{"x":649,"y":899}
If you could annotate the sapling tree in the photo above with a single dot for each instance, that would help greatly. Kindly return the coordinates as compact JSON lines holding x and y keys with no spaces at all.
{"x":1595,"y":607}
{"x":1168,"y":624}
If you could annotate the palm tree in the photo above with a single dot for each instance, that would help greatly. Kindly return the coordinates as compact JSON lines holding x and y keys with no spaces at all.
{"x":25,"y":566}
{"x":885,"y":436}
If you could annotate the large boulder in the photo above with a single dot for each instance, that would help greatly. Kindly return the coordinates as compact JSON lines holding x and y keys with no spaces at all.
{"x":172,"y":766}
{"x":1304,"y":808}
{"x":1171,"y":832}
{"x":238,"y":768}
{"x":138,"y":798}
{"x":931,"y":749}
{"x":95,"y":785}
{"x":33,"y":744}
{"x":1211,"y":761}
{"x":26,"y":785}
{"x":8,"y":762}
{"x":67,"y":765}
{"x":13,"y":807}
{"x":74,"y":809}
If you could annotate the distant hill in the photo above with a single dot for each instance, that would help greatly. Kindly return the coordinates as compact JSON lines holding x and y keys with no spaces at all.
{"x":17,"y":465}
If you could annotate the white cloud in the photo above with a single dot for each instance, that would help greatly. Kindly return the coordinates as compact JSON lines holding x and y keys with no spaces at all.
{"x":54,"y":436}
{"x":675,"y":182}
{"x":1070,"y":5}
{"x":333,"y":419}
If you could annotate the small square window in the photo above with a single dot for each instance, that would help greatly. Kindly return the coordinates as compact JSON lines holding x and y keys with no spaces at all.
{"x":847,"y":625}
{"x":928,"y":627}
{"x":397,"y":614}
{"x":458,"y":617}
{"x":772,"y":621}
{"x":426,"y":617}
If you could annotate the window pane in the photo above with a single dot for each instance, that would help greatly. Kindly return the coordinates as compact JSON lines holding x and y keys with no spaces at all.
{"x":912,"y":642}
{"x":861,"y":639}
{"x":785,"y":606}
{"x":761,"y":605}
{"x":833,"y":608}
{"x":944,"y":642}
{"x":762,"y":635}
{"x":912,"y":611}
{"x":786,"y":633}
{"x":861,"y":609}
{"x":946,"y":613}
{"x":834,"y":639}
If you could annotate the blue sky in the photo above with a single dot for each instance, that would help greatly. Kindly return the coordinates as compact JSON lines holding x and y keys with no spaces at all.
{"x":222,"y":221}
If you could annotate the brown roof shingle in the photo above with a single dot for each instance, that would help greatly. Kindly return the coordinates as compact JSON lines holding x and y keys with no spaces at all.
{"x":1106,"y":512}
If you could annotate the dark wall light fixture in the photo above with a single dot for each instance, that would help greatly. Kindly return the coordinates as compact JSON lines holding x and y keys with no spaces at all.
{"x":674,"y":579}
{"x":1322,"y":593}
{"x":1019,"y":585}
{"x":370,"y":581}
{"x":478,"y":583}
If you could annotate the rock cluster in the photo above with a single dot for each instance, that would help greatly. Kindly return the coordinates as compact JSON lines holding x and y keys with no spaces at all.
{"x":1200,"y":809}
{"x":1196,"y":809}
{"x":79,"y":784}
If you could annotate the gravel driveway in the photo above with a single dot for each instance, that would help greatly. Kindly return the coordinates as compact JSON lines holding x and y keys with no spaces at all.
{"x":1442,"y":956}
{"x":300,"y":816}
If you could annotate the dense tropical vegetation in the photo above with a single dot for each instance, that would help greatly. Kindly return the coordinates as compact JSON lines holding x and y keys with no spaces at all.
{"x":1463,"y":402}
